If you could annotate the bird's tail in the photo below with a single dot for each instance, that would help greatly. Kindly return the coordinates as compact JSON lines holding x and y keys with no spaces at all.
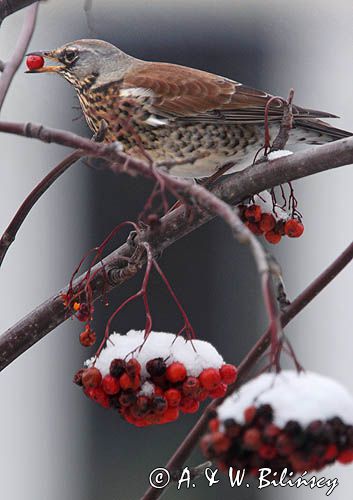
{"x":325,"y":132}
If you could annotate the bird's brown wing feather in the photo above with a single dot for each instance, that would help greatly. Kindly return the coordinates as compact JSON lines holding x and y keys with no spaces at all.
{"x":192,"y":95}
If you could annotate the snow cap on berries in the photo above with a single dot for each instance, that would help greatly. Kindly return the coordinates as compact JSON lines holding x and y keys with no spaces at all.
{"x":303,"y":397}
{"x":196,"y":355}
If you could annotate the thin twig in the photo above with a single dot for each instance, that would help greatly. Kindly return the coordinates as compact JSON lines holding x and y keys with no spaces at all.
{"x":24,"y":39}
{"x":186,"y":447}
{"x":12,"y":229}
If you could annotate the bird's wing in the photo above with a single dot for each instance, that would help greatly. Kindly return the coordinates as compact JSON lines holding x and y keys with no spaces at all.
{"x":189,"y":95}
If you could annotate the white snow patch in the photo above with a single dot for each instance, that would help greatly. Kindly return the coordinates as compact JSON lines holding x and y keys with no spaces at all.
{"x":147,"y":389}
{"x":264,"y":199}
{"x":196,"y":355}
{"x":303,"y":397}
{"x":279,"y":154}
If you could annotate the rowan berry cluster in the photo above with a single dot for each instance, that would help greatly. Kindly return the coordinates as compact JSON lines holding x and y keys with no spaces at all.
{"x":155,"y":390}
{"x":272,"y":226}
{"x":260,"y":438}
{"x":259,"y":443}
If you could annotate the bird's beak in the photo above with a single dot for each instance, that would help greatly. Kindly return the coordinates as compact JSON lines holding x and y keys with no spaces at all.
{"x":46,"y":69}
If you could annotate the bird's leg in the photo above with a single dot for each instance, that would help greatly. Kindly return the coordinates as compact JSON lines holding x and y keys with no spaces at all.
{"x":209,"y":181}
{"x":206,"y":183}
{"x":101,"y":132}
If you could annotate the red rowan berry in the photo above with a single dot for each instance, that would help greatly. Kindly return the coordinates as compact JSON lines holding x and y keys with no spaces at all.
{"x":284,"y":445}
{"x":171,"y":414}
{"x":252,"y":439}
{"x":220,"y":442}
{"x":189,"y":405}
{"x":125,"y":382}
{"x":218,"y":392}
{"x":202,"y":394}
{"x":91,"y":377}
{"x":213,"y":425}
{"x":133,"y":368}
{"x":273,"y":237}
{"x":331,"y":452}
{"x":345,"y":457}
{"x":98,"y":395}
{"x":271,"y":431}
{"x":176,"y":372}
{"x":88,"y":337}
{"x":293,"y":228}
{"x":267,"y":222}
{"x":249,"y":414}
{"x":228,"y":374}
{"x":110,"y":385}
{"x":267,"y":452}
{"x":173,"y":396}
{"x":34,"y":62}
{"x":253,"y":213}
{"x":210,"y":378}
{"x":158,"y":391}
{"x":84,"y":313}
{"x":191,"y":386}
{"x":254,"y":227}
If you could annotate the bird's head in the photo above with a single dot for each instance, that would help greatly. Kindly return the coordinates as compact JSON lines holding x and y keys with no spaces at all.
{"x":76,"y":61}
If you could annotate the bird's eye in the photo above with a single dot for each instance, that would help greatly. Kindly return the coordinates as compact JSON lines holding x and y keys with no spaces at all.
{"x":70,"y":55}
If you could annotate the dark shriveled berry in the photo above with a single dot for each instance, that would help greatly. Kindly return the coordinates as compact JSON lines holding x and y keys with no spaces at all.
{"x":127,"y":398}
{"x":156,"y":367}
{"x":117,"y":367}
{"x":159,"y":404}
{"x":78,"y":377}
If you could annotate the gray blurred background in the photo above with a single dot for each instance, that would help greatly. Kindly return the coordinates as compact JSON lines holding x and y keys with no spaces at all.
{"x":55,"y":444}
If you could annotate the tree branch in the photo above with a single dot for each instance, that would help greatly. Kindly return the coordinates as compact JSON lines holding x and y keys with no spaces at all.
{"x":231,"y":189}
{"x":8,"y":7}
{"x":185,"y":449}
{"x":262,"y":176}
{"x":24,"y":39}
{"x":12,"y":229}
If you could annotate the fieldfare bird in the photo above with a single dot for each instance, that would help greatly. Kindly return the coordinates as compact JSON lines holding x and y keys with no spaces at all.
{"x":176,"y":113}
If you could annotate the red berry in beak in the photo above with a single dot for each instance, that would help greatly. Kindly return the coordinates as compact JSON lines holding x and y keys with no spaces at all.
{"x":34,"y":62}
